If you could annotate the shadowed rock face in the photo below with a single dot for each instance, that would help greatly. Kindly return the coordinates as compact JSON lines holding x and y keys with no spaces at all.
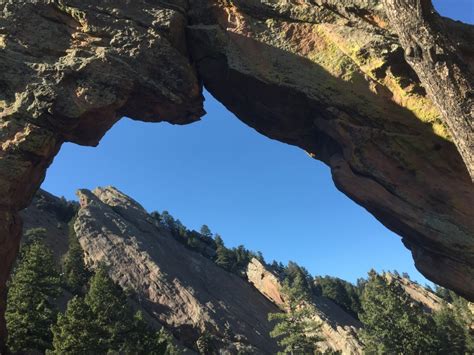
{"x":332,"y":79}
{"x":327,"y":76}
{"x":70,"y":70}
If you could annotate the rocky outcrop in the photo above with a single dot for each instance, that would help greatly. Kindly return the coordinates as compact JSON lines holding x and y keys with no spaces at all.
{"x":438,"y":62}
{"x":180,"y":288}
{"x":70,"y":70}
{"x":338,"y":328}
{"x":327,"y":76}
{"x":331,"y":78}
{"x":430,"y":301}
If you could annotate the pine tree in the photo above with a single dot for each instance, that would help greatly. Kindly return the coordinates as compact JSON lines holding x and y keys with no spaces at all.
{"x":341,"y":292}
{"x":30,"y":311}
{"x":33,"y":235}
{"x":74,"y":268}
{"x":224,"y":257}
{"x":122,"y":331}
{"x":76,"y":332}
{"x":451,"y":332}
{"x":108,"y":303}
{"x":393,"y":322}
{"x":298,"y":333}
{"x":205,"y":231}
{"x":140,"y":339}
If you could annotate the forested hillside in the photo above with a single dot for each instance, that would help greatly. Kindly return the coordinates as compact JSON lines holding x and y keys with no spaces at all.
{"x":103,"y":275}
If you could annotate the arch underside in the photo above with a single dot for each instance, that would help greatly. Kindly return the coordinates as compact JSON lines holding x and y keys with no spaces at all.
{"x":329,"y":78}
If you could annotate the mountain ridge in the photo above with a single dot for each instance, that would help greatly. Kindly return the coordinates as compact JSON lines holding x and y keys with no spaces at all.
{"x":180,"y":286}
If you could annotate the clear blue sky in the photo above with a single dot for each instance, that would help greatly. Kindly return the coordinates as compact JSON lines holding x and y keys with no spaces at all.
{"x":254,"y":191}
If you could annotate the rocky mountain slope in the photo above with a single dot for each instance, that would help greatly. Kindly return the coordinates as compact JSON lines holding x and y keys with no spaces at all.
{"x":176,"y":286}
{"x":181,"y":288}
{"x":339,"y":329}
{"x":390,"y":115}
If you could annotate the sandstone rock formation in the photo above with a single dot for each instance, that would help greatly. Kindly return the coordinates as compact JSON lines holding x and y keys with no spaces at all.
{"x":429,"y":300}
{"x":338,"y":328}
{"x":437,"y":58}
{"x":331,"y":78}
{"x":179,"y":287}
{"x":327,"y":76}
{"x":176,"y":286}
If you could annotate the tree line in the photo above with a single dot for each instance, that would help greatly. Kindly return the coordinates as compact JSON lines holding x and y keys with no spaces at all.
{"x":206,"y":243}
{"x":98,"y":318}
{"x":393,"y":322}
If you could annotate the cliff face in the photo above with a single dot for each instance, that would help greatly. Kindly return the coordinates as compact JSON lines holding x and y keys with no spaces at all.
{"x":339,"y":329}
{"x":331,"y":78}
{"x":429,"y":300}
{"x":178,"y":287}
{"x":175,"y":286}
{"x":328,"y":76}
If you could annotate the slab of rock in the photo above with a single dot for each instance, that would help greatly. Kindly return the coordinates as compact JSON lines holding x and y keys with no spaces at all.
{"x":183,"y":290}
{"x":339,"y":329}
{"x":327,"y":76}
{"x":331,"y":78}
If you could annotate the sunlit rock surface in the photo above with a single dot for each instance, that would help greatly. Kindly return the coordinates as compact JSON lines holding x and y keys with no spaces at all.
{"x":179,"y":287}
{"x":331,"y":78}
{"x":327,"y":76}
{"x":338,"y":328}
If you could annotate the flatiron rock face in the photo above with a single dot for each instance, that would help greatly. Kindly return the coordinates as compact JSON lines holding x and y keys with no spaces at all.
{"x":338,"y":328}
{"x":180,"y":288}
{"x":330,"y":77}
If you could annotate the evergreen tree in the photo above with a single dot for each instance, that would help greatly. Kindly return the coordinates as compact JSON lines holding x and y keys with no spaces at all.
{"x":75,"y":272}
{"x":205,"y":231}
{"x":393,"y":322}
{"x":164,"y":344}
{"x":30,"y":311}
{"x":218,"y":240}
{"x":451,"y":332}
{"x":298,"y":333}
{"x":141,"y":339}
{"x":121,"y":330}
{"x":341,"y":292}
{"x":167,"y":220}
{"x":108,"y":303}
{"x":224,"y":257}
{"x":462,"y":313}
{"x":77,"y":332}
{"x":298,"y":274}
{"x":33,"y":235}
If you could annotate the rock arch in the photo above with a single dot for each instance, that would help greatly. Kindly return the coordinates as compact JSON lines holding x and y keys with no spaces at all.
{"x":327,"y":76}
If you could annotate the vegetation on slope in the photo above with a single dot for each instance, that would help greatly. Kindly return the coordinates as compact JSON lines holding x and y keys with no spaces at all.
{"x":100,"y":322}
{"x":99,"y":318}
{"x":296,"y":329}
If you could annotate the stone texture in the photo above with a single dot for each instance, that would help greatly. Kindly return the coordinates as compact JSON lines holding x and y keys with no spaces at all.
{"x":429,"y":300}
{"x":70,"y":70}
{"x":178,"y":287}
{"x":327,"y":76}
{"x":172,"y":288}
{"x":446,"y":70}
{"x":331,"y":78}
{"x":339,"y":329}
